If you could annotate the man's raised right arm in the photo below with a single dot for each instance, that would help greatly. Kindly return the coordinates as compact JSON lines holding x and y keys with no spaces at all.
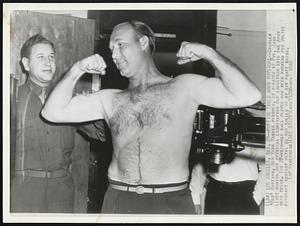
{"x":62,"y":106}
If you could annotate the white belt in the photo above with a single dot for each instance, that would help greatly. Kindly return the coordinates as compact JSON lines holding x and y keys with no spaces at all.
{"x":141,"y":189}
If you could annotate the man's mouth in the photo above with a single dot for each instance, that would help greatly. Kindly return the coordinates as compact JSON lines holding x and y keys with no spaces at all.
{"x":47,"y":70}
{"x":120,"y":63}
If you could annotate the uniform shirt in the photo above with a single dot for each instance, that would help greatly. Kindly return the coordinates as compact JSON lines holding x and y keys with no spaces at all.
{"x":40,"y":145}
{"x":93,"y":129}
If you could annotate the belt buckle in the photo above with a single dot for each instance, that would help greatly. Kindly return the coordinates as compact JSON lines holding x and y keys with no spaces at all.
{"x":48,"y":175}
{"x":139,"y":190}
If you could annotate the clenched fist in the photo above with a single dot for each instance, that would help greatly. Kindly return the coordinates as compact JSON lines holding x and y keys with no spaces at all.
{"x":93,"y":64}
{"x":191,"y":51}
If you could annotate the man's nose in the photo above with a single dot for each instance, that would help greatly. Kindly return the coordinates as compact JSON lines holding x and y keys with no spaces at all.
{"x":47,"y":60}
{"x":115,"y":54}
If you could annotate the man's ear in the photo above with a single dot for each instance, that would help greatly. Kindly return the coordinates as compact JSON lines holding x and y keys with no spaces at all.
{"x":25,"y":62}
{"x":144,"y":42}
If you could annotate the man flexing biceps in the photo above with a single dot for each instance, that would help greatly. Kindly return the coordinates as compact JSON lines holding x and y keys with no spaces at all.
{"x":150,"y":121}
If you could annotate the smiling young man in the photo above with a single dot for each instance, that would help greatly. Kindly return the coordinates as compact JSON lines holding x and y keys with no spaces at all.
{"x":150,"y":121}
{"x":41,"y":181}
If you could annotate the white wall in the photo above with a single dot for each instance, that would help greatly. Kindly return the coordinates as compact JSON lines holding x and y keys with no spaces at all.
{"x":253,"y":20}
{"x":247,"y":45}
{"x":75,"y":13}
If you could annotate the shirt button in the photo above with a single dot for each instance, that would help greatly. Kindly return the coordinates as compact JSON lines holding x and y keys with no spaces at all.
{"x":48,"y":149}
{"x":47,"y":132}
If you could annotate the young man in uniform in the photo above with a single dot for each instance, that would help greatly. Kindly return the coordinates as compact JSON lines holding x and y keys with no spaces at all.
{"x":41,"y":181}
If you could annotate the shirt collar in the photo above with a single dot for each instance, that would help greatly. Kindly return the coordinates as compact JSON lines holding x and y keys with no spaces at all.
{"x":35,"y":87}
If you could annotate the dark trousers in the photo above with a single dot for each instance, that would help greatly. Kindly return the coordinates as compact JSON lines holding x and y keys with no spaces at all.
{"x":230,"y":198}
{"x":178,"y":202}
{"x":41,"y":195}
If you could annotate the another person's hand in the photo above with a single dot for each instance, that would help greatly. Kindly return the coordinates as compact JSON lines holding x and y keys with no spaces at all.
{"x":198,"y":209}
{"x":191,"y":51}
{"x":93,"y":64}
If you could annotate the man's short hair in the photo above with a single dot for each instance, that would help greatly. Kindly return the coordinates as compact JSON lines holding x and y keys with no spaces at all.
{"x":143,"y":29}
{"x":33,"y":40}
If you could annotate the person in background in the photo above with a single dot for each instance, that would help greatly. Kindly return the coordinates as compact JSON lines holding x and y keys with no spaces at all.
{"x":151,"y":121}
{"x":100,"y":157}
{"x":237,"y":187}
{"x":41,"y":181}
{"x":94,"y":130}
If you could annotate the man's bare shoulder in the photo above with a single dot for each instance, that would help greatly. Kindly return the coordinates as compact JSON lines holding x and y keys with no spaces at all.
{"x":190,"y":78}
{"x":109,"y":92}
{"x":194,"y":85}
{"x":106,"y":95}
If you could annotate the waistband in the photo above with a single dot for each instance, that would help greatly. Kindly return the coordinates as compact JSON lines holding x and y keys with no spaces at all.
{"x":225,"y":183}
{"x":148,"y":188}
{"x":43,"y":174}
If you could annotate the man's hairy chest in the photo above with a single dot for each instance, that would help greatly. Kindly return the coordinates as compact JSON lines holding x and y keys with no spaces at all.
{"x":136,"y":111}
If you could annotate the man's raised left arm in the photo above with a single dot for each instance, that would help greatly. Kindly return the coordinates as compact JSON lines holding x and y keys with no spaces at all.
{"x":230,"y":88}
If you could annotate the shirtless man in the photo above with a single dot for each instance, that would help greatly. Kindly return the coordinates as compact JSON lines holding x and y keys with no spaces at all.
{"x":151,"y":121}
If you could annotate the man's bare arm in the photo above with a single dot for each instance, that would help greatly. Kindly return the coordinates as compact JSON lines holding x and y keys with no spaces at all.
{"x":260,"y":186}
{"x":231,"y":88}
{"x":61,"y":106}
{"x":254,"y":153}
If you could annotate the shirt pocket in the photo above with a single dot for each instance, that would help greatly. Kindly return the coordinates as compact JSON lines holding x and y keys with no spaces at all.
{"x":32,"y":134}
{"x":67,"y":137}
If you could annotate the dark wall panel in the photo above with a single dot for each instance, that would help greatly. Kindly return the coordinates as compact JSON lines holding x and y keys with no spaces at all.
{"x":187,"y":25}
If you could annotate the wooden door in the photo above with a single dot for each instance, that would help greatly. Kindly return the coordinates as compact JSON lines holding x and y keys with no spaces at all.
{"x":73,"y":39}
